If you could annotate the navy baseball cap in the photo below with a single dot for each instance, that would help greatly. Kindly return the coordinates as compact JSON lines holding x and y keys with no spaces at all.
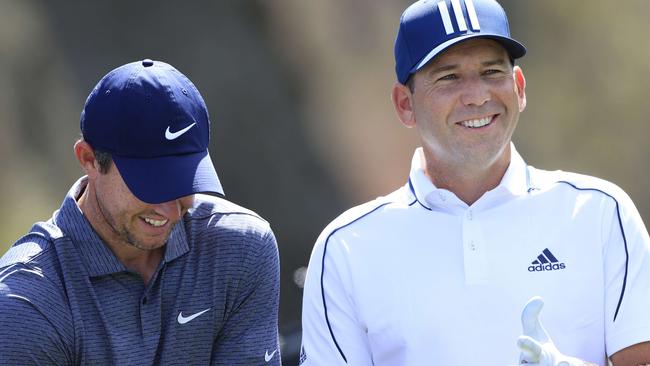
{"x":429,"y":27}
{"x":154,"y":123}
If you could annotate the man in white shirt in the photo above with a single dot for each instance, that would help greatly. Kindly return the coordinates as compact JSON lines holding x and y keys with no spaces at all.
{"x":438,"y":272}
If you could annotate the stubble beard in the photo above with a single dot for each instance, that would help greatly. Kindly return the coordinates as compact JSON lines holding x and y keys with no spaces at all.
{"x":123,"y":234}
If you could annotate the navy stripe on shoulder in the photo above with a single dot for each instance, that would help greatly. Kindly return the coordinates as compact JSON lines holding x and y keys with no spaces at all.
{"x":620,"y":223}
{"x":329,"y":326}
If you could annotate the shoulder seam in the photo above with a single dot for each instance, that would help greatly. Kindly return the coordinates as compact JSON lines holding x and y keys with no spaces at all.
{"x":211,"y":213}
{"x":620,"y":223}
{"x":329,"y":326}
{"x":50,"y":246}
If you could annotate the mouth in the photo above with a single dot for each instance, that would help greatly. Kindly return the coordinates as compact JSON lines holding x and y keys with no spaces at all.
{"x":154,"y":222}
{"x":478,"y":122}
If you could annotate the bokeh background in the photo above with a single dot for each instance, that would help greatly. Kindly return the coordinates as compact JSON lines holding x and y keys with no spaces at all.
{"x":298,"y":93}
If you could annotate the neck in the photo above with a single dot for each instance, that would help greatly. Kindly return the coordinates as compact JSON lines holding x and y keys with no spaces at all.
{"x":467,"y":182}
{"x":144,"y":262}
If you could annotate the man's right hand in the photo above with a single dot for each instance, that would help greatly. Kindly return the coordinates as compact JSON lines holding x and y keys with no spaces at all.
{"x":537,"y":348}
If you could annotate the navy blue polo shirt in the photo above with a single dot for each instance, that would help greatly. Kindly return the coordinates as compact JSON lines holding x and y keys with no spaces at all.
{"x":66,"y":299}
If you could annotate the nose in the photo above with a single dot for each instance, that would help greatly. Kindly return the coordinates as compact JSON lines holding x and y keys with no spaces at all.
{"x":174,"y":210}
{"x":475,"y":92}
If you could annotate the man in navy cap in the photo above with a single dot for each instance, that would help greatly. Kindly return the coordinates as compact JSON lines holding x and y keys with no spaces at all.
{"x":437,"y":272}
{"x":145,"y":262}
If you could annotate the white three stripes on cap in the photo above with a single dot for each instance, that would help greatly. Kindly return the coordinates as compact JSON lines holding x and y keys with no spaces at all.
{"x":473,"y":18}
{"x":460,"y":18}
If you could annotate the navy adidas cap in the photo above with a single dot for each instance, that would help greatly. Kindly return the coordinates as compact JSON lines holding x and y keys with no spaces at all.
{"x":429,"y":27}
{"x":154,"y":123}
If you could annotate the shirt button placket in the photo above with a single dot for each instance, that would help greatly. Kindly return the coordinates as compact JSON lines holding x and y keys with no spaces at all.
{"x":472,"y":246}
{"x":151,"y":319}
{"x":475,"y":260}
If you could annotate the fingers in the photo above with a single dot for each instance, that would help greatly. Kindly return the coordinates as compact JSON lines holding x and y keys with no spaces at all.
{"x":530,"y":320}
{"x":531,"y":350}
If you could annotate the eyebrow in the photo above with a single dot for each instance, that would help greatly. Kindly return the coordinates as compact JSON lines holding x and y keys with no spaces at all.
{"x":443,"y":68}
{"x":497,"y":62}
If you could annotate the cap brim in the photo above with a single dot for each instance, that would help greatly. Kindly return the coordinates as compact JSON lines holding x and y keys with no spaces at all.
{"x":167,"y":178}
{"x":514,"y":48}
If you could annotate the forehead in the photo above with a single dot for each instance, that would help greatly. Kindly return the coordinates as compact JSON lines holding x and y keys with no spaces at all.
{"x":471,"y":50}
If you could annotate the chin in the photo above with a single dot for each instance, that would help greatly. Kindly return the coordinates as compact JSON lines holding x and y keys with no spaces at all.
{"x":148,"y":245}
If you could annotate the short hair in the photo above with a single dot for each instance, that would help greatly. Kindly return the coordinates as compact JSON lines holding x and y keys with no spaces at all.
{"x":104,"y":159}
{"x":410,"y":84}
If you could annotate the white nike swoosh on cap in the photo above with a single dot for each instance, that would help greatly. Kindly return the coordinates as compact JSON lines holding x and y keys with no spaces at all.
{"x":268,"y":357}
{"x":185,"y":319}
{"x":174,"y":135}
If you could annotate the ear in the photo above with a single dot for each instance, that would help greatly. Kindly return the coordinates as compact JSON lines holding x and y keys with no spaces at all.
{"x":86,"y":157}
{"x":403,"y":103}
{"x":520,"y":85}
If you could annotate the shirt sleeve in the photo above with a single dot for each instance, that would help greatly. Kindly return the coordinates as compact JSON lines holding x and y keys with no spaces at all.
{"x":627,"y":278}
{"x":331,"y":331}
{"x":32,"y":322}
{"x":250,"y":333}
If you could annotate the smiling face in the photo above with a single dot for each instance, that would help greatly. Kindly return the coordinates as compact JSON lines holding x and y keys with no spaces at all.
{"x":129,"y":226}
{"x":127,"y":220}
{"x":465,"y":105}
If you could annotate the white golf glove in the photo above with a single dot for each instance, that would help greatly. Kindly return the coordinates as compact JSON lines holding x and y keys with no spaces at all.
{"x":537,"y":348}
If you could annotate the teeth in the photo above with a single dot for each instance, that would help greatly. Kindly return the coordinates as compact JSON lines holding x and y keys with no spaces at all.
{"x":475,"y":123}
{"x":156,"y":223}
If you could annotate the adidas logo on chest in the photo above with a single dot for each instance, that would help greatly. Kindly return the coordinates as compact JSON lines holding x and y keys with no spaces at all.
{"x":546,"y":261}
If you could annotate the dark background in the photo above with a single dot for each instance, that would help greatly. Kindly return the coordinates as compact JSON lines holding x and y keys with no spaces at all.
{"x":298,"y":93}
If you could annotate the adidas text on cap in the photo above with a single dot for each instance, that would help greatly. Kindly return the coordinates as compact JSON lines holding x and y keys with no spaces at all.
{"x":154,"y":123}
{"x":429,"y":27}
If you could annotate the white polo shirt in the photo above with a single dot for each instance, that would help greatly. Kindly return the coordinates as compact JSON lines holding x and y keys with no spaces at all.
{"x":420,"y":278}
